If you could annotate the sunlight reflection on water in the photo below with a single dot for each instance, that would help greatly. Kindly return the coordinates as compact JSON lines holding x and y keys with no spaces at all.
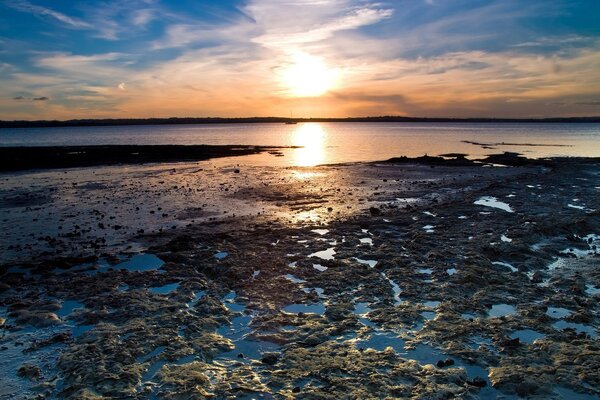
{"x":311,"y":138}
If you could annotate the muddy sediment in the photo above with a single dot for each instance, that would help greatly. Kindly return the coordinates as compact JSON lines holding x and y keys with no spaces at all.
{"x":356,"y":281}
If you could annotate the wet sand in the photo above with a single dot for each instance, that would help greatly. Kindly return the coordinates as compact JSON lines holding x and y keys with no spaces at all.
{"x":422,"y":280}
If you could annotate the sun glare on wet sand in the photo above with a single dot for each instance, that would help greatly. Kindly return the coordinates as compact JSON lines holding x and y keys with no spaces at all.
{"x":308,"y":76}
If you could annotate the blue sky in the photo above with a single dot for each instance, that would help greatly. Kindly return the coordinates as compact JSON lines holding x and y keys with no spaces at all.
{"x":146,"y":58}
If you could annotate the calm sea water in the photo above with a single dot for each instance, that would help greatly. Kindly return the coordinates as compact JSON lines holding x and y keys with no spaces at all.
{"x":325,"y":143}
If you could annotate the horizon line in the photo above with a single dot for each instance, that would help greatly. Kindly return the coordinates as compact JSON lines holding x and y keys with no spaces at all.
{"x":274,"y":119}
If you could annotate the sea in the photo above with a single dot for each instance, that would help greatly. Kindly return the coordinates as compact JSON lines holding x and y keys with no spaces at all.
{"x":337,"y":142}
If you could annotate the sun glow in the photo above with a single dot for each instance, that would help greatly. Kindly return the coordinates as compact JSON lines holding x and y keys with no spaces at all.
{"x":308,"y":76}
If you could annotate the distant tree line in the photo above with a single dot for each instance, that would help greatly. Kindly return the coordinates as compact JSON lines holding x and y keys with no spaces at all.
{"x":249,"y":120}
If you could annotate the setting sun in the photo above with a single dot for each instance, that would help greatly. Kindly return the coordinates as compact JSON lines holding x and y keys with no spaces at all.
{"x":308,"y":76}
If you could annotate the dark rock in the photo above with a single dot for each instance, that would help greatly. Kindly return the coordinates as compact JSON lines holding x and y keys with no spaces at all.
{"x":374,"y":211}
{"x":270,"y":358}
{"x":512,"y":343}
{"x":445,"y":363}
{"x":29,"y":371}
{"x":478,"y":382}
{"x":296,"y":389}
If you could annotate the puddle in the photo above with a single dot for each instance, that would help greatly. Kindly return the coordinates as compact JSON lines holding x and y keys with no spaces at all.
{"x":229,"y":301}
{"x":255,"y":274}
{"x":319,"y":291}
{"x":507,"y":265}
{"x":165,"y":289}
{"x":370,"y":263}
{"x":395,"y":288}
{"x":197,"y":296}
{"x":324,"y":254}
{"x":429,"y":228}
{"x":292,"y":264}
{"x":493,"y":202}
{"x":428,"y":315}
{"x":425,"y":271}
{"x":576,"y":207}
{"x":153,"y":353}
{"x":505,"y":239}
{"x":361,"y":308}
{"x":320,"y":231}
{"x":430,"y":214}
{"x":592,"y":290}
{"x":527,"y":335}
{"x":319,"y":267}
{"x":141,"y":263}
{"x":221,"y":255}
{"x":565,"y":393}
{"x":557,"y":312}
{"x":425,"y":354}
{"x":502,"y":310}
{"x":68,"y":307}
{"x":451,"y":271}
{"x":468,"y":316}
{"x":477,"y":341}
{"x":123,"y":288}
{"x":368,"y":241}
{"x":431,"y":304}
{"x":380,"y":341}
{"x":294,"y":279}
{"x":318,"y":308}
{"x":579,"y":328}
{"x":79,"y":330}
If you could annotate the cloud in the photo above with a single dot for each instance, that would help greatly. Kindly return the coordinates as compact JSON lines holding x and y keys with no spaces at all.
{"x":43,"y":12}
{"x":312,"y":21}
{"x":43,"y":98}
{"x":19,"y":98}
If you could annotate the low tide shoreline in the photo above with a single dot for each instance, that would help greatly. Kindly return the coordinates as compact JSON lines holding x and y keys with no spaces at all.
{"x":411,"y":278}
{"x":51,"y":157}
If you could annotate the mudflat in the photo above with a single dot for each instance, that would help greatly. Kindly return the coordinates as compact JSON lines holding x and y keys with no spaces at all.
{"x":49,"y":157}
{"x":409,"y":278}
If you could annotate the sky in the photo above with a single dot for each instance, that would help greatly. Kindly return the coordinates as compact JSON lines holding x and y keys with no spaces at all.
{"x":305,"y":58}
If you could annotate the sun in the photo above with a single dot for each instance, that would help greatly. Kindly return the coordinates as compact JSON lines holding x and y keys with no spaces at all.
{"x":308,"y":76}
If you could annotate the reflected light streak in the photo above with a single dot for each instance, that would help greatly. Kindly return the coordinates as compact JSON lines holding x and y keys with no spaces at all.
{"x":311,"y":137}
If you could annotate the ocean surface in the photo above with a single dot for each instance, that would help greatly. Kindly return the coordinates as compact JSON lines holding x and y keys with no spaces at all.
{"x":327,"y":143}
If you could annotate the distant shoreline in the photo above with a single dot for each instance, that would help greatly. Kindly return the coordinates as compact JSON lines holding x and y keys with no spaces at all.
{"x":52,"y":157}
{"x":251,"y":120}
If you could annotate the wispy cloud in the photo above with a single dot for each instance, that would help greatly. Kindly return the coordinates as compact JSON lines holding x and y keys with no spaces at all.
{"x":44,"y":12}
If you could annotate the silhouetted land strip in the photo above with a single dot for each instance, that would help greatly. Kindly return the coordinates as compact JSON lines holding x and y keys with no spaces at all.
{"x":507,"y":158}
{"x":250,"y":120}
{"x":22,"y":158}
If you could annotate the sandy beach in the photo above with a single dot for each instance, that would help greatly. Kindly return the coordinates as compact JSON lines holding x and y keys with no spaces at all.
{"x":407,"y":279}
